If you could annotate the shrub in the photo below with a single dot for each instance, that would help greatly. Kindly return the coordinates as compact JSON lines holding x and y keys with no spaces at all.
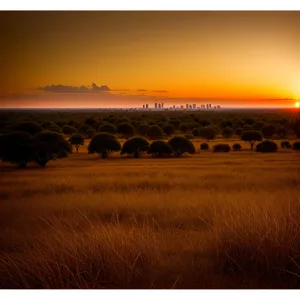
{"x":227,"y":132}
{"x":155,"y":132}
{"x":103,"y":143}
{"x":29,"y":127}
{"x":196,"y":131}
{"x":67,"y":129}
{"x":49,"y":146}
{"x":204,"y":146}
{"x":268,"y":131}
{"x":266,"y":146}
{"x":107,"y":127}
{"x":168,"y":129}
{"x":281,"y":131}
{"x":181,"y":145}
{"x":16,"y":148}
{"x":125,"y":129}
{"x":207,"y":133}
{"x":136,"y":145}
{"x":239,"y":131}
{"x":183,"y":127}
{"x":221,"y":148}
{"x":160,"y":148}
{"x":251,"y":136}
{"x":236,"y":147}
{"x":286,"y":144}
{"x":76,"y":139}
{"x":296,"y":146}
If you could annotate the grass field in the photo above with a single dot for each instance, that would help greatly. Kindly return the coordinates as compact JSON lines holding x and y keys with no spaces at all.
{"x":209,"y":220}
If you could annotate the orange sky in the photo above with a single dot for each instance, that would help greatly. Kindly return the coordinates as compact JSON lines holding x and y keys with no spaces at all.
{"x":228,"y":58}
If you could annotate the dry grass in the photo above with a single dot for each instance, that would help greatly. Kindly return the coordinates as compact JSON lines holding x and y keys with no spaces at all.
{"x":226,"y":220}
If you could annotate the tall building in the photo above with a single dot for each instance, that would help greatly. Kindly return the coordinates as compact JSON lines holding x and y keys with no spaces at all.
{"x":207,"y":106}
{"x":162,"y":105}
{"x":194,"y":106}
{"x":143,"y":105}
{"x":155,"y":105}
{"x":181,"y":107}
{"x":202,"y":106}
{"x":218,"y":107}
{"x":159,"y":105}
{"x":187,"y":106}
{"x":147,"y":106}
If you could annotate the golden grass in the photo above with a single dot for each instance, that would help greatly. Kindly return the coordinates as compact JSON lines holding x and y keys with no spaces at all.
{"x":211,"y":220}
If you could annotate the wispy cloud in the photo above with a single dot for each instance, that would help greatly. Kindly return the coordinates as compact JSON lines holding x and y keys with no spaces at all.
{"x":74,"y":89}
{"x":141,"y":90}
{"x":160,"y":91}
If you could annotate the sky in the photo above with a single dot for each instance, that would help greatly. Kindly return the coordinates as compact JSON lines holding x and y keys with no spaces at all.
{"x":127,"y":59}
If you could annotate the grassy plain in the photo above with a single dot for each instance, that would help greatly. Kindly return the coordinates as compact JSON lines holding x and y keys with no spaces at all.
{"x":209,"y":220}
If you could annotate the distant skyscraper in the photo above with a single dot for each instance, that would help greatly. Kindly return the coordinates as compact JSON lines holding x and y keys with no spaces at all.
{"x":191,"y":107}
{"x":207,"y":106}
{"x":159,"y":106}
{"x":155,"y":105}
{"x":143,"y":105}
{"x":215,"y":107}
{"x":162,"y":105}
{"x":218,"y":107}
{"x":202,"y":106}
{"x":181,"y":107}
{"x":194,"y":106}
{"x":147,"y":106}
{"x":187,"y":106}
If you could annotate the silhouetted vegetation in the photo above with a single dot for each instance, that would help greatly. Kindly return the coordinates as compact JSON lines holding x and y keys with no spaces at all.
{"x":76,"y":139}
{"x":286,"y":145}
{"x":221,"y":148}
{"x":181,"y":145}
{"x":160,"y":148}
{"x":252,"y":137}
{"x":204,"y":146}
{"x":136,"y":146}
{"x":266,"y":146}
{"x":236,"y":147}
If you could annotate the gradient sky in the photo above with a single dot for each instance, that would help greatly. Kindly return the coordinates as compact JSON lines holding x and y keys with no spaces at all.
{"x":121,"y":59}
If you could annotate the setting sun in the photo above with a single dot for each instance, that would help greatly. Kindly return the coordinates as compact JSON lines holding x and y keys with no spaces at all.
{"x":297,"y":104}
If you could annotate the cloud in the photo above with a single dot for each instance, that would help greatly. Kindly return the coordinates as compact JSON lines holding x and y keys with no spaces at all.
{"x":74,"y":89}
{"x":160,"y":91}
{"x":141,"y":90}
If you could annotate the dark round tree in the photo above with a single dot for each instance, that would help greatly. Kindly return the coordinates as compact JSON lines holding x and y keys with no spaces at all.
{"x":16,"y":148}
{"x":142,"y":128}
{"x":160,"y":148}
{"x":107,"y":127}
{"x":204,"y":146}
{"x":266,"y":146}
{"x":236,"y":147}
{"x":67,"y":129}
{"x":103,"y":143}
{"x":207,"y":133}
{"x":183,"y":127}
{"x":169,"y":129}
{"x":136,"y":146}
{"x":221,"y":148}
{"x":155,"y":132}
{"x":181,"y":145}
{"x":296,"y":146}
{"x":196,"y":131}
{"x":252,"y":137}
{"x":227,"y":132}
{"x":48,"y":146}
{"x":268,"y":131}
{"x":76,"y":139}
{"x":29,"y":127}
{"x":125,"y":129}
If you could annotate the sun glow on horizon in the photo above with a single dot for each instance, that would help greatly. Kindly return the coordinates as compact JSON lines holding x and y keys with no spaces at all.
{"x":297,"y":104}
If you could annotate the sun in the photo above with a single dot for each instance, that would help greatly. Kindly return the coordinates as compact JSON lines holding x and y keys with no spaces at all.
{"x":297,"y":104}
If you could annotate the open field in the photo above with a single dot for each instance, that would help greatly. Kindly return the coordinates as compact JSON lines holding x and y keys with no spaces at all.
{"x":209,"y":220}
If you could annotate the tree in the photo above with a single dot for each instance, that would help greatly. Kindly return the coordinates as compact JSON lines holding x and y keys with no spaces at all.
{"x":160,"y":148}
{"x":296,"y":146}
{"x":136,"y":145}
{"x":181,"y":145}
{"x":183,"y":127}
{"x":67,"y":129}
{"x":251,"y":136}
{"x":281,"y":131}
{"x":286,"y":145}
{"x":296,"y":127}
{"x":29,"y":127}
{"x":52,"y":127}
{"x":227,"y":132}
{"x":169,"y":129}
{"x":109,"y":128}
{"x":103,"y":143}
{"x":207,"y":133}
{"x":221,"y":148}
{"x":175,"y":122}
{"x":266,"y":146}
{"x":125,"y":129}
{"x":48,"y":146}
{"x":16,"y":148}
{"x":143,"y":128}
{"x":268,"y":130}
{"x":204,"y":146}
{"x":239,"y":131}
{"x":155,"y":132}
{"x":76,"y":139}
{"x":259,"y":125}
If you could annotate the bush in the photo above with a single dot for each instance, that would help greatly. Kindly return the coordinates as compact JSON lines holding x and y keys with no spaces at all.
{"x":183,"y":127}
{"x":296,"y":127}
{"x":296,"y":146}
{"x":136,"y":145}
{"x":196,"y":131}
{"x":125,"y":129}
{"x":181,"y":145}
{"x":236,"y":147}
{"x":155,"y":132}
{"x":76,"y":139}
{"x":204,"y":146}
{"x":239,"y":131}
{"x":160,"y":148}
{"x":143,"y":128}
{"x":50,"y":145}
{"x":268,"y":131}
{"x":266,"y":146}
{"x":108,"y":128}
{"x":227,"y":132}
{"x":67,"y":129}
{"x":251,"y":136}
{"x":103,"y":143}
{"x":286,"y":145}
{"x":16,"y":148}
{"x":169,"y":129}
{"x":221,"y":148}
